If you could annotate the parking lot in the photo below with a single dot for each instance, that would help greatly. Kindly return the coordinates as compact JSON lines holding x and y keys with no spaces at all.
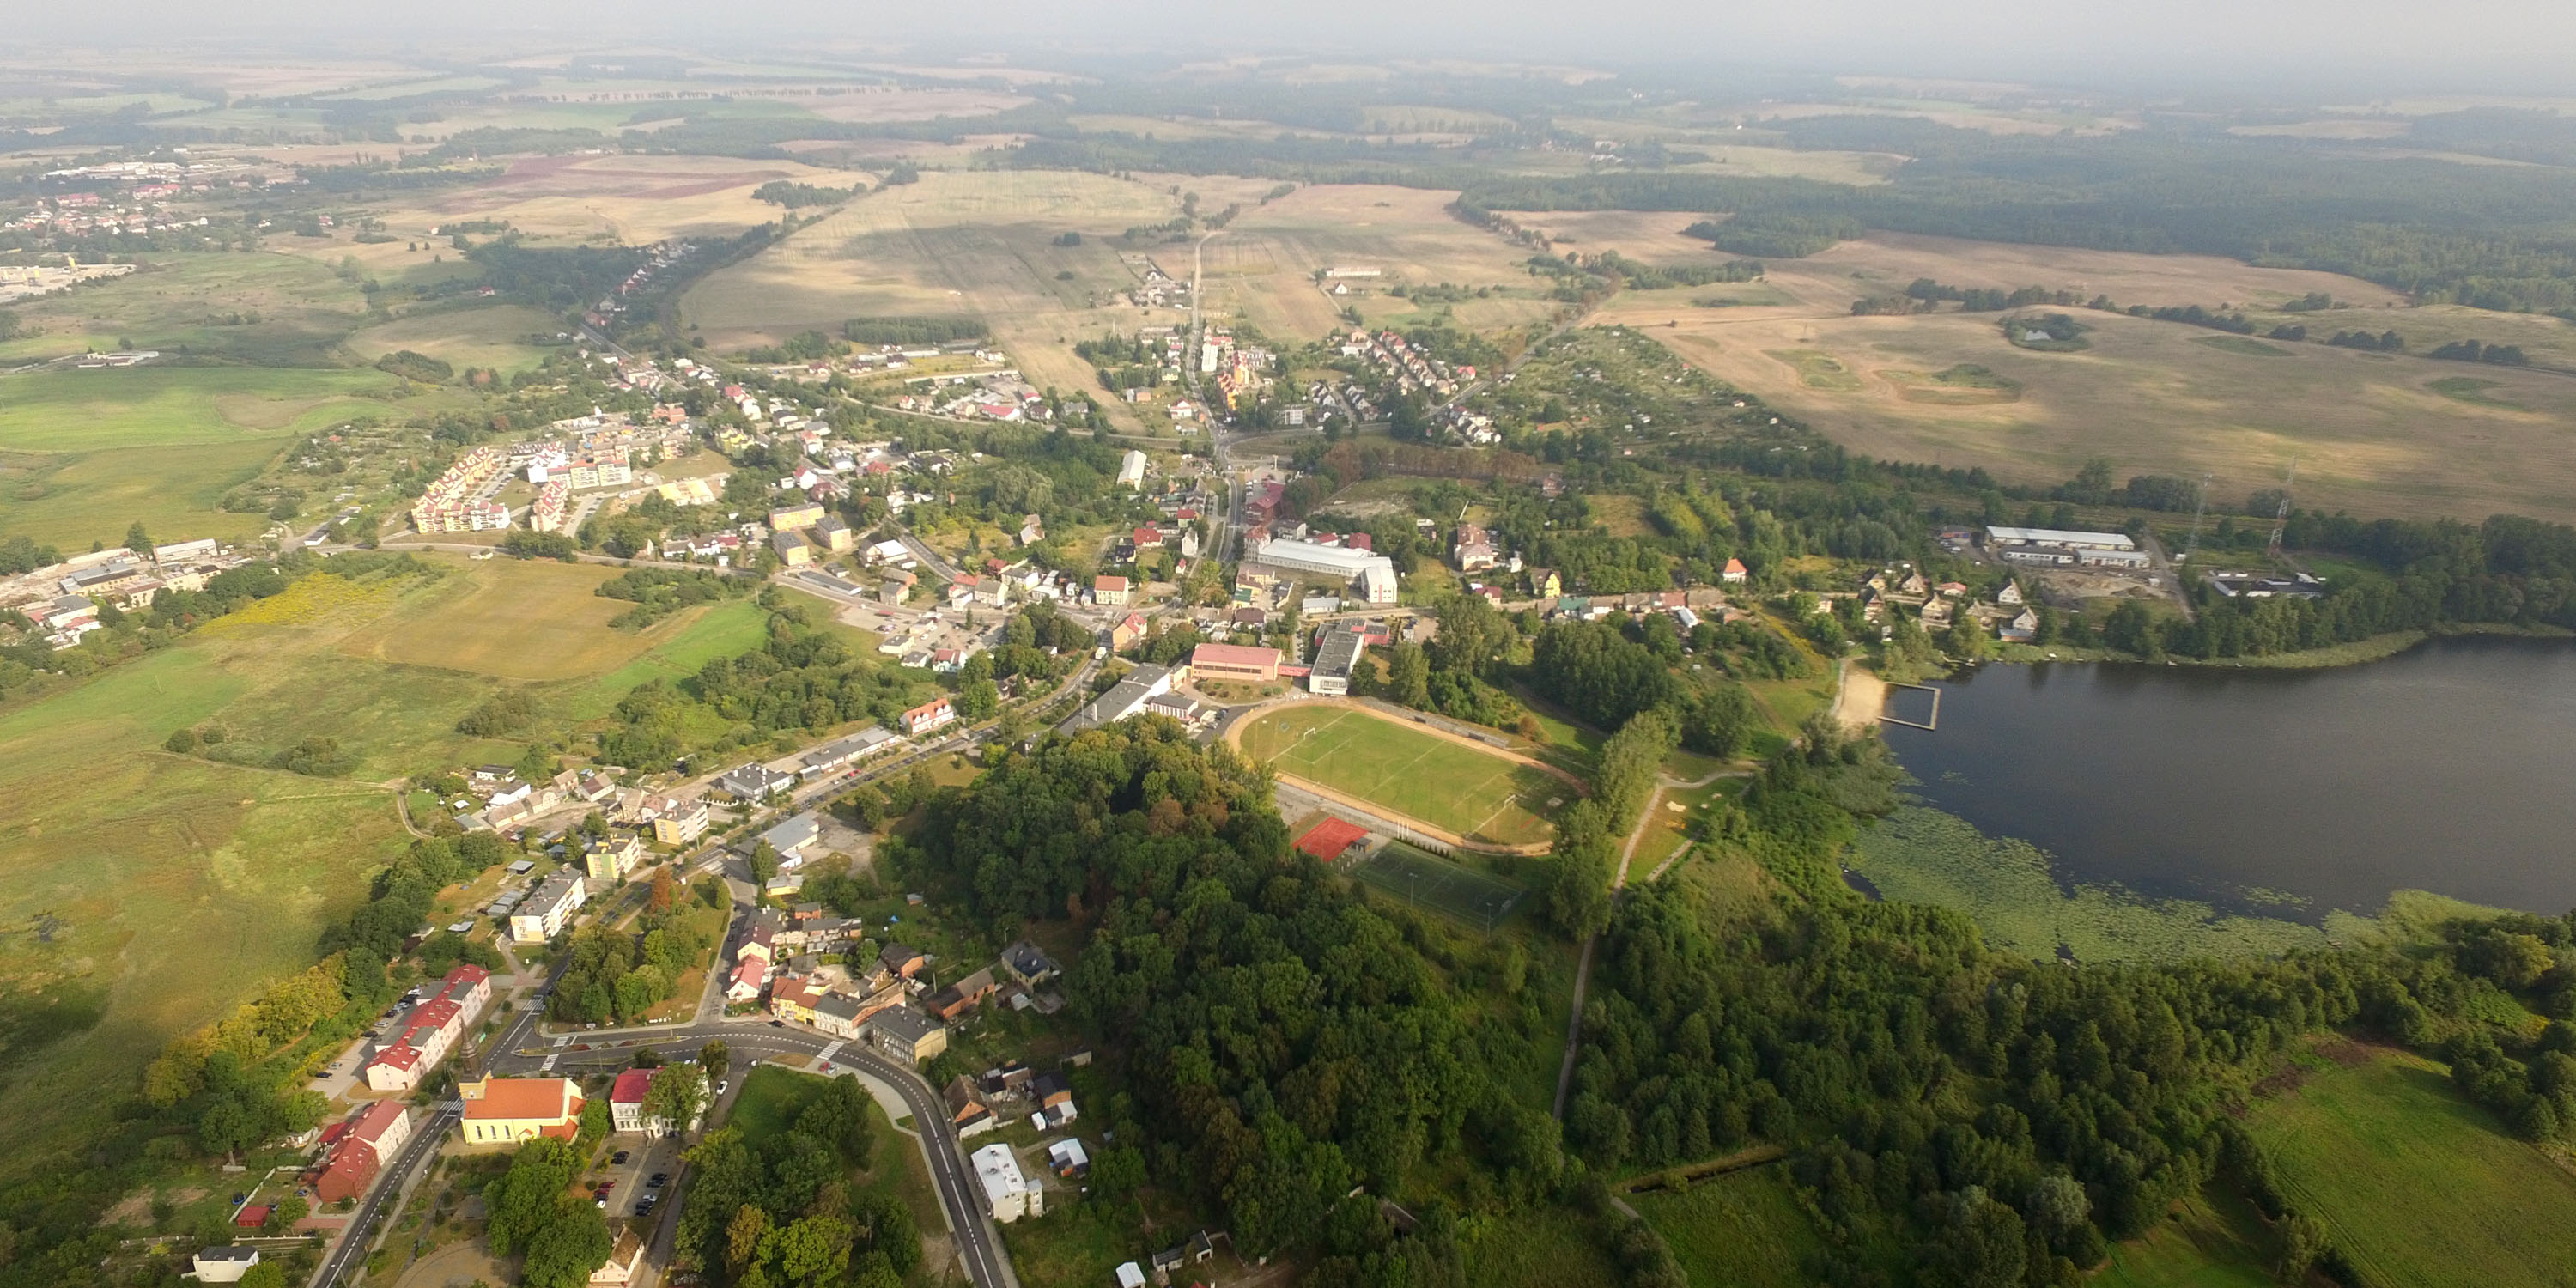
{"x":630,"y":1178}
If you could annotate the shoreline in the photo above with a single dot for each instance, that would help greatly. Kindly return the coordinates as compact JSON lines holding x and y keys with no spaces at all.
{"x":2377,"y":648}
{"x":1860,"y":697}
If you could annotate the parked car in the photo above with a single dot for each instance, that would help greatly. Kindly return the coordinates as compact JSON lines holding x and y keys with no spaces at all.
{"x":618,"y":1158}
{"x":657,"y":1180}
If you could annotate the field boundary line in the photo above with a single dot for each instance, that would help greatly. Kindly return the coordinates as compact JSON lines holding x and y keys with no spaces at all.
{"x":1441,"y":834}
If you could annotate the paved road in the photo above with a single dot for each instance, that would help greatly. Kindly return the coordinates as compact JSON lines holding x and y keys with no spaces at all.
{"x":352,"y":1248}
{"x":749,"y":1039}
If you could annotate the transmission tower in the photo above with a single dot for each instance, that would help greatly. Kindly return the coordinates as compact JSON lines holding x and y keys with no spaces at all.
{"x":2281,"y":518}
{"x":2199,"y":507}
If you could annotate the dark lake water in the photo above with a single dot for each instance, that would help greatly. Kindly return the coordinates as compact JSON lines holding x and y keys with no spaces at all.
{"x":2449,"y":768}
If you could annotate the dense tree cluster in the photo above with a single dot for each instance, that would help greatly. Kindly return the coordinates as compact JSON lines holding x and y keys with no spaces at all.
{"x":779,"y":1213}
{"x":621,"y":974}
{"x":1287,"y":1042}
{"x":659,"y":592}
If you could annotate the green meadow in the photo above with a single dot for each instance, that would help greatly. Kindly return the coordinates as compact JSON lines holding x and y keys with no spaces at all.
{"x":2416,"y":1185}
{"x":1743,"y":1228}
{"x":66,"y":409}
{"x":142,"y":894}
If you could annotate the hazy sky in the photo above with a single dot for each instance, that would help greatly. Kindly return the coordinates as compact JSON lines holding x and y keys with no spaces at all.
{"x":2527,"y":45}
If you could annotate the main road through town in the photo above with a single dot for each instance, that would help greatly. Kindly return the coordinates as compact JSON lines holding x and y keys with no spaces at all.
{"x":360,"y":1232}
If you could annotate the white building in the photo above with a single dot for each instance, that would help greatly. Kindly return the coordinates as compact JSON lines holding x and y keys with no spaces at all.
{"x":1131,"y":469}
{"x":1011,"y":1194}
{"x":2061,"y":547}
{"x":1372,"y":573}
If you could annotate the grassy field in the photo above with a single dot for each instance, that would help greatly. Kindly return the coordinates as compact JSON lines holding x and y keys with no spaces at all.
{"x":165,"y":888}
{"x":494,"y":337}
{"x":65,"y":410}
{"x":1446,"y":784}
{"x":1743,"y":1228}
{"x":1543,"y":1247}
{"x":1429,"y":881}
{"x":2414,"y":1183}
{"x":201,"y":304}
{"x":2378,"y":434}
{"x":72,"y":499}
{"x":2213,"y":1240}
{"x":516,"y":619}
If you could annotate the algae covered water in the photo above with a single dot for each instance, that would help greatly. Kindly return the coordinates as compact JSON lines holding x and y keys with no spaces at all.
{"x":2449,"y":768}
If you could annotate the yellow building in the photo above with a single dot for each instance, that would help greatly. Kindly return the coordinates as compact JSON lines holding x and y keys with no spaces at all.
{"x":509,"y":1111}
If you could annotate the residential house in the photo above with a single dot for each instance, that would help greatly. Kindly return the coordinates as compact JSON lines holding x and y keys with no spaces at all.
{"x":509,"y":1111}
{"x":1032,"y":530}
{"x":906,"y":1033}
{"x":1734,"y":572}
{"x":837,"y":1015}
{"x":1109,"y":590}
{"x":1053,"y":1098}
{"x":1545,"y":584}
{"x":624,"y":1259}
{"x":754,"y":782}
{"x":749,"y":976}
{"x":686,"y":822}
{"x":794,"y":517}
{"x":611,"y":861}
{"x":928,"y":716}
{"x":1069,"y":1159}
{"x":968,"y":1115}
{"x":223,"y":1265}
{"x":1008,"y":1194}
{"x":1029,"y":964}
{"x":963,"y":996}
{"x":547,"y":909}
{"x":794,"y":997}
{"x":836,"y":535}
{"x":2022,"y":629}
{"x":2010,"y":594}
{"x":901,"y":959}
{"x":1129,"y":629}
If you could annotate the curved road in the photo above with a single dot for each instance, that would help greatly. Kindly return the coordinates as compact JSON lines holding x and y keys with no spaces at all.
{"x":960,"y":1192}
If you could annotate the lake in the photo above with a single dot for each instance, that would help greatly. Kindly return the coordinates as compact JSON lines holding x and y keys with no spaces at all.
{"x":2450,"y":768}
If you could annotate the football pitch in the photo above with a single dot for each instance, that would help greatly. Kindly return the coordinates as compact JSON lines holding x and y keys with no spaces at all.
{"x":1428,"y":881}
{"x":1451,"y":786}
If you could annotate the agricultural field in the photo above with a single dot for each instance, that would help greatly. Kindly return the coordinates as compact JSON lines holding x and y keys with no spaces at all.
{"x":1263,"y":266}
{"x":1453,"y":787}
{"x":71,"y":499}
{"x":2414,"y":1183}
{"x":2373,"y":432}
{"x":634,"y":200}
{"x":971,"y":242}
{"x":1744,"y":1228}
{"x":262,"y":308}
